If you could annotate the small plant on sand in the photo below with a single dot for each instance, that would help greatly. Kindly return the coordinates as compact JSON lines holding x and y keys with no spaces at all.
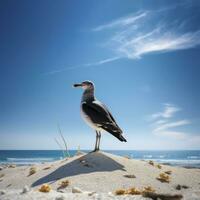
{"x":45,"y":188}
{"x":63,"y":184}
{"x":168,"y":172}
{"x":159,"y":166}
{"x":32,"y":171}
{"x":164,"y":178}
{"x":120,"y":192}
{"x":78,"y":153}
{"x":148,"y":189}
{"x":65,"y":151}
{"x":133,"y":191}
{"x":151,"y":162}
{"x":130,"y":191}
{"x":11,"y":166}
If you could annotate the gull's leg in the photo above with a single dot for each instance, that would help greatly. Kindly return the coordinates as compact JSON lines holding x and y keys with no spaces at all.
{"x":99,"y":136}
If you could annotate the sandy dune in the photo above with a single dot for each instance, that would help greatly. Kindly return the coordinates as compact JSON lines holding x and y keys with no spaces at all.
{"x":100,"y":172}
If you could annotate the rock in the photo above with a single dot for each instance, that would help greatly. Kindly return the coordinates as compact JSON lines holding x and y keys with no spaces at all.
{"x":61,"y":191}
{"x":25,"y":189}
{"x":1,"y":168}
{"x":76,"y":190}
{"x":161,"y":196}
{"x":60,"y":198}
{"x":99,"y":197}
{"x":129,"y":176}
{"x":91,"y":193}
{"x":96,"y":196}
{"x":178,"y":187}
{"x":110,"y":194}
{"x":185,"y":186}
{"x":2,"y":192}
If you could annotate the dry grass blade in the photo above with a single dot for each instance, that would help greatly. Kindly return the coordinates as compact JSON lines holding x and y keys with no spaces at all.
{"x":64,"y":141}
{"x":148,"y":189}
{"x":133,"y":191}
{"x":120,"y":192}
{"x":130,"y":191}
{"x":163,"y":178}
{"x":63,"y":152}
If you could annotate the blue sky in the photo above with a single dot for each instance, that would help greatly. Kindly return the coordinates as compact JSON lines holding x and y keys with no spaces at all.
{"x":143,"y":57}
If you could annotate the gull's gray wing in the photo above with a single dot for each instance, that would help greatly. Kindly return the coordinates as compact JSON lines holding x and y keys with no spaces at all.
{"x":100,"y":116}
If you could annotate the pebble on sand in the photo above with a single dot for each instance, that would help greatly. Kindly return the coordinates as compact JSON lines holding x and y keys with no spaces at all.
{"x":2,"y":192}
{"x":129,"y":176}
{"x":60,"y":198}
{"x":76,"y":190}
{"x":25,"y":189}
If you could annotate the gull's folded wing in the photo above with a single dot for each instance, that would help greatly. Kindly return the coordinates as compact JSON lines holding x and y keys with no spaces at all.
{"x":100,"y":115}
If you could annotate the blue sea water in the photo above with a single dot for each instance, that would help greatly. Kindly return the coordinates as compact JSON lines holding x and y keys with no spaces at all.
{"x":183,"y":158}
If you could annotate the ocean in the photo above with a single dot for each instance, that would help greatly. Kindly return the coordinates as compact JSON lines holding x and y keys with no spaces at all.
{"x":184,"y":158}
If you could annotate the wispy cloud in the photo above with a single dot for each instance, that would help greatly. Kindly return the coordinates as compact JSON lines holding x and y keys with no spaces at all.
{"x":166,"y":126}
{"x":163,"y":124}
{"x":157,"y":41}
{"x":125,"y":21}
{"x":149,"y":32}
{"x":168,"y":111}
{"x":146,"y":32}
{"x":172,"y":134}
{"x":100,"y":62}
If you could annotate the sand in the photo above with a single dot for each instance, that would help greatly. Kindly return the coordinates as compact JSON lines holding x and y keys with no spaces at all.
{"x":97,"y":176}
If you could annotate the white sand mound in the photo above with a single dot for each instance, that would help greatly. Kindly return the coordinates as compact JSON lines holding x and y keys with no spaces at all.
{"x":101,"y":173}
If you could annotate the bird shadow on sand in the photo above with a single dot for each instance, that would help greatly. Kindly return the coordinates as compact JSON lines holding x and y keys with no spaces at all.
{"x":89,"y":163}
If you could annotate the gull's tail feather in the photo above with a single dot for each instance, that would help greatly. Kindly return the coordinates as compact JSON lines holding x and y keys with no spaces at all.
{"x":116,"y":133}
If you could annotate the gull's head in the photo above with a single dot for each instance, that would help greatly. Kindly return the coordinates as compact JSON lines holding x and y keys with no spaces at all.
{"x":85,"y":85}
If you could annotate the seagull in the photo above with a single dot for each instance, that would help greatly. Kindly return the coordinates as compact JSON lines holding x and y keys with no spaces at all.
{"x":96,"y":114}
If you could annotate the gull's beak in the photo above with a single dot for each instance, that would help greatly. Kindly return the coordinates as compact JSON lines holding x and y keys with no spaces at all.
{"x":77,"y":85}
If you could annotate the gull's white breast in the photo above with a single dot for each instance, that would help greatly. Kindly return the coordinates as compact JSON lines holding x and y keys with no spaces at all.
{"x":88,"y":121}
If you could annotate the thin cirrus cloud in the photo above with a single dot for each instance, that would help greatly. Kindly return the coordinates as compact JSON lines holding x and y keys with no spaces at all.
{"x":93,"y":64}
{"x":168,"y":112}
{"x":157,"y":41}
{"x":149,"y":32}
{"x":125,"y":21}
{"x":145,"y":32}
{"x":163,"y":124}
